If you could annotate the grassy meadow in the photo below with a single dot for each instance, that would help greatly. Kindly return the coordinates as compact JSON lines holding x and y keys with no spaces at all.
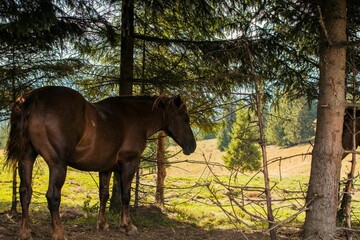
{"x":199,"y":189}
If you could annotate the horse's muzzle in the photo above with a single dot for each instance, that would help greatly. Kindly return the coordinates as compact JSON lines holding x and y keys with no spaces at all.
{"x":189,"y":148}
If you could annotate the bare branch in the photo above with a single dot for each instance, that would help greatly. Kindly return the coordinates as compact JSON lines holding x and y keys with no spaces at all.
{"x":323,"y":27}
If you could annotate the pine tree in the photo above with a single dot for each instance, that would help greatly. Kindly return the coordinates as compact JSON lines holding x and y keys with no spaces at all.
{"x":243,"y":152}
{"x":224,"y":134}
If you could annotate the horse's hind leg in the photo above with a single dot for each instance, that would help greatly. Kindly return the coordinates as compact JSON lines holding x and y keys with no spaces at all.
{"x":25,"y":167}
{"x":104,"y":178}
{"x":53,"y":195}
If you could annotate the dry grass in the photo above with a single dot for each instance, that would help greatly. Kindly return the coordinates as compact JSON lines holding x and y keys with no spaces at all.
{"x":298,"y":165}
{"x":195,"y":164}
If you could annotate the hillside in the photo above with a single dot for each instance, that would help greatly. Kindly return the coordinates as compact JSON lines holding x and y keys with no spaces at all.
{"x":206,"y":151}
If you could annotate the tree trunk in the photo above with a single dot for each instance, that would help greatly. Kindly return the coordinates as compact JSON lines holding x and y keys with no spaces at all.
{"x":161,"y":169}
{"x":322,"y":195}
{"x":127,"y":47}
{"x":262,"y":142}
{"x":126,"y":78}
{"x":137,"y":186}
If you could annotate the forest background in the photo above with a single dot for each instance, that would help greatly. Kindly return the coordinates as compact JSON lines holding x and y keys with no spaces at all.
{"x":220,"y":56}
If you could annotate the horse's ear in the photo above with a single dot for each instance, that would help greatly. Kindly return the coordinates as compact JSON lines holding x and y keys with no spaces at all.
{"x":177,"y":101}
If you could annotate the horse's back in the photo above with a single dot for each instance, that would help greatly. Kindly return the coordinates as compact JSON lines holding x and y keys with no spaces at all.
{"x":57,"y":105}
{"x":57,"y":96}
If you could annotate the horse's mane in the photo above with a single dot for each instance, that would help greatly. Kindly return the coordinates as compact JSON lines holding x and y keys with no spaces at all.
{"x":138,"y":97}
{"x":160,"y":100}
{"x":156,"y":100}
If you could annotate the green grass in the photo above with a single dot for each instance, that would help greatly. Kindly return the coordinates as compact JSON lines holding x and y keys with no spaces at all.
{"x":193,"y":202}
{"x":199,"y":204}
{"x":189,"y":199}
{"x":80,"y":188}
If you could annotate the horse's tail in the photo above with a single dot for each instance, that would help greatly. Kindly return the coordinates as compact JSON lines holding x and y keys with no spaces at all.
{"x":19,"y":135}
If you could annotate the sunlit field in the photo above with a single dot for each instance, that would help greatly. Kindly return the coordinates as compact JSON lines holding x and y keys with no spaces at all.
{"x":199,"y":190}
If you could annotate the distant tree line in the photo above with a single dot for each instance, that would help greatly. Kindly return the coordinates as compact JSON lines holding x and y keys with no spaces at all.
{"x":291,"y":122}
{"x":286,"y":123}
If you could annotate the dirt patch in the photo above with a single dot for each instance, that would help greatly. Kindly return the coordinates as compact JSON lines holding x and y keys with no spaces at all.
{"x":172,"y":229}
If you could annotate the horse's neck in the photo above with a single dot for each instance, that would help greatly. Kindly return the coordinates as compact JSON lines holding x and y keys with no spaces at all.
{"x":155,"y":121}
{"x":152,"y":114}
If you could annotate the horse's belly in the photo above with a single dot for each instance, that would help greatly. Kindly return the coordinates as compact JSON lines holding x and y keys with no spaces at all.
{"x":88,"y":161}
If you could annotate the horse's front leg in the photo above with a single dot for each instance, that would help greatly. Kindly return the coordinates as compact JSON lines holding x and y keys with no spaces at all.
{"x":127,"y":172}
{"x":104,"y":179}
{"x":53,"y":195}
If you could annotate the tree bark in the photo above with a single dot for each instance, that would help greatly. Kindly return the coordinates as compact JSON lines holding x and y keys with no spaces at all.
{"x":126,"y":79}
{"x":322,"y":195}
{"x":161,"y":169}
{"x":127,"y":47}
{"x":137,"y":186}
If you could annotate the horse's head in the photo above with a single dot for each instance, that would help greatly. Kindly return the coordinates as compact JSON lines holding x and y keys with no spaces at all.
{"x":177,"y":124}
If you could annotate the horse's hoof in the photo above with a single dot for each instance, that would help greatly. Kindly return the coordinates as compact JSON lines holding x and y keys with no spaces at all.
{"x":25,"y":235}
{"x":103,"y":227}
{"x":132,"y":233}
{"x":25,"y":238}
{"x":59,"y":236}
{"x":130,"y":230}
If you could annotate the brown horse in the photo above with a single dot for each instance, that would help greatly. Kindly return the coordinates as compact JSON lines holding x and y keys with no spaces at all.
{"x":347,"y":137}
{"x":66,"y":130}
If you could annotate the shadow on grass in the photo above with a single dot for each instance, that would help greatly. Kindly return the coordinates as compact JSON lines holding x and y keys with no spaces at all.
{"x":152,"y":223}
